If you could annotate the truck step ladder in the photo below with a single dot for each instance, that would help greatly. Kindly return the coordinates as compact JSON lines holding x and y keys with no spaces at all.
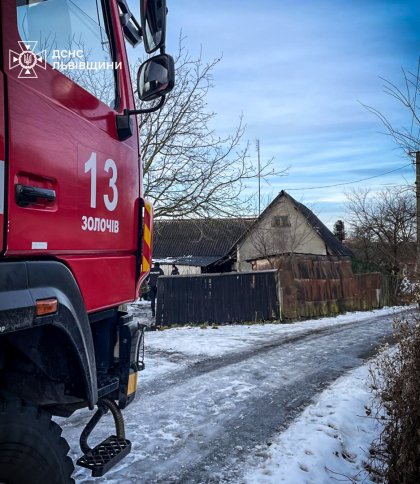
{"x":105,"y":455}
{"x":108,"y":453}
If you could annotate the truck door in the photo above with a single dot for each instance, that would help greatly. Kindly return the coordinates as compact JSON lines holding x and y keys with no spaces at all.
{"x":72,"y":184}
{"x":2,"y":163}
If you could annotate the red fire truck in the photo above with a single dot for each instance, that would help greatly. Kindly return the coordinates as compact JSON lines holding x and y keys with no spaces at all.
{"x":75,"y":232}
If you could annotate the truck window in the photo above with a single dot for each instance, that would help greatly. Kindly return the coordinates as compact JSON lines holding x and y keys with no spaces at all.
{"x":72,"y":36}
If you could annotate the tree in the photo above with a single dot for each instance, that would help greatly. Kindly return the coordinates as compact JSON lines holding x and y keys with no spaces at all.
{"x":190,"y":170}
{"x":406,"y":137}
{"x":339,"y":232}
{"x":383,"y":227}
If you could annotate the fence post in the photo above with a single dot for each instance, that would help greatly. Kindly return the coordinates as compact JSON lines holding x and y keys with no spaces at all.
{"x":159,"y":303}
{"x":279,"y":295}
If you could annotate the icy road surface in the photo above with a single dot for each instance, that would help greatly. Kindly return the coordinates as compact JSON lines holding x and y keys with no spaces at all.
{"x":209,"y":400}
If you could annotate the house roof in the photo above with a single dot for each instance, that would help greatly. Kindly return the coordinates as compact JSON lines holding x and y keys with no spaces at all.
{"x":191,"y":260}
{"x":196,"y":241}
{"x":201,"y":242}
{"x":334,"y":246}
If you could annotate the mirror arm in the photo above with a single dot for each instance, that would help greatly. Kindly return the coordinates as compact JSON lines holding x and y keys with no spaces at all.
{"x":124,"y":122}
{"x":129,"y":112}
{"x":133,"y":33}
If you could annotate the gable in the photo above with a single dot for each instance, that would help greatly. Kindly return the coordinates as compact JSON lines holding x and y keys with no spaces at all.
{"x":281,"y":229}
{"x":288,"y":226}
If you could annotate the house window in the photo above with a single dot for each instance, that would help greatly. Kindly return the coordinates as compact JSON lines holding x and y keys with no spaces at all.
{"x":280,"y":221}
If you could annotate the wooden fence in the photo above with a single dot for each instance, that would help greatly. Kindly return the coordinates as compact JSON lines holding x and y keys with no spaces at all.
{"x":218,"y":298}
{"x":302,"y":287}
{"x":315,"y":286}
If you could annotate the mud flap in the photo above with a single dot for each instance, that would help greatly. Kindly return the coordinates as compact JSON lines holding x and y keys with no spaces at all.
{"x":131,"y":358}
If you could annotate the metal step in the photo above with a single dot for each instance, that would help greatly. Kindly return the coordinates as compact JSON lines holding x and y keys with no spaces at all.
{"x":105,"y":455}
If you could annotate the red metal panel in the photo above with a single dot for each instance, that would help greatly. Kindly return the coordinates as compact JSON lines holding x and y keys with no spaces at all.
{"x":110,"y":289}
{"x":60,"y":137}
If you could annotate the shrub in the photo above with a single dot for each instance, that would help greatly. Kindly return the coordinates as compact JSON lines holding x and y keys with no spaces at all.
{"x":395,"y":381}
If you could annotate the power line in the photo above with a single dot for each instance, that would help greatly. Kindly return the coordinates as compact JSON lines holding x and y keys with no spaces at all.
{"x":351,"y":182}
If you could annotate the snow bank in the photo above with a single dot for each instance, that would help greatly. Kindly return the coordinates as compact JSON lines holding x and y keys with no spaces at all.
{"x":328,"y":442}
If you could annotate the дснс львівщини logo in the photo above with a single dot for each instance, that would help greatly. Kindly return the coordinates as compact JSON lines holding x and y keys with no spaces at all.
{"x":27,"y":60}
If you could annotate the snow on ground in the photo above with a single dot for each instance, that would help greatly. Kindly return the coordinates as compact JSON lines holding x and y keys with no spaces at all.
{"x":331,"y":438}
{"x":189,"y":417}
{"x":328,"y":442}
{"x":211,"y":342}
{"x":174,"y":348}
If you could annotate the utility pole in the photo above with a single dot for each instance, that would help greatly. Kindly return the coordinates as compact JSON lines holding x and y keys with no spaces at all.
{"x":257,"y":143}
{"x":418,"y":213}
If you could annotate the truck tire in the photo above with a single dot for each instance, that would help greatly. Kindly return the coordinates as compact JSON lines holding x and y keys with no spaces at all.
{"x":32,"y":450}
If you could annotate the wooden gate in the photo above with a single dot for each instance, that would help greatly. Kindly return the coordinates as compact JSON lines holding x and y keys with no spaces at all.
{"x":230,"y":297}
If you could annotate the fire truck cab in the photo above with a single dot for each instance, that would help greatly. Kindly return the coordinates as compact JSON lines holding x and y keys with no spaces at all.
{"x":75,"y":231}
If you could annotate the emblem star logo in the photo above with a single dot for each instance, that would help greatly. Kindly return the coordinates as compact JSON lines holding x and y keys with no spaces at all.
{"x":27,"y":59}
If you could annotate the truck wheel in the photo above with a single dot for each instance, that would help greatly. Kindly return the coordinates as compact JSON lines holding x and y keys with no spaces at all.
{"x":32,"y":450}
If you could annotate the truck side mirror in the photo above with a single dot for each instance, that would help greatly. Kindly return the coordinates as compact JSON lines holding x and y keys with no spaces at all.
{"x":156,"y":77}
{"x":153,"y":24}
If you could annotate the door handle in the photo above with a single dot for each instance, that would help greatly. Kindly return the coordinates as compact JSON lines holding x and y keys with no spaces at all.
{"x":26,"y":195}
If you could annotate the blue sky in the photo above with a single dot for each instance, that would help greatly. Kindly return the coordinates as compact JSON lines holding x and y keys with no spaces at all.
{"x":298,"y":71}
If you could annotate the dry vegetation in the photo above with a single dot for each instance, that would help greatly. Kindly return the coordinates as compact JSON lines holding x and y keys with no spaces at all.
{"x":395,"y":381}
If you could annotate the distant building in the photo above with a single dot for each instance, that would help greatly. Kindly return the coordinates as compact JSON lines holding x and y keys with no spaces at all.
{"x":314,"y":274}
{"x":286,"y":226}
{"x":222,"y":245}
{"x":197,"y":245}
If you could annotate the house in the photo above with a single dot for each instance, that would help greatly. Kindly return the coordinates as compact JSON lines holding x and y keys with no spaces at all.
{"x":197,"y":245}
{"x":286,"y":226}
{"x":221,"y":245}
{"x":314,"y":274}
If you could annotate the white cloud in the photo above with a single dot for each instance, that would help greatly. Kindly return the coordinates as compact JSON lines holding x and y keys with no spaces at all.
{"x":297,"y":70}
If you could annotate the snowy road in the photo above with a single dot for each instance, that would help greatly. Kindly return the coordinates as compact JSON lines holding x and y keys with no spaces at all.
{"x":212,"y":399}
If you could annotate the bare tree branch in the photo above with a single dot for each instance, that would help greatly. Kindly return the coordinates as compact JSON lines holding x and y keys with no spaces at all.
{"x":190,"y":170}
{"x":383,"y":227}
{"x":408,"y":139}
